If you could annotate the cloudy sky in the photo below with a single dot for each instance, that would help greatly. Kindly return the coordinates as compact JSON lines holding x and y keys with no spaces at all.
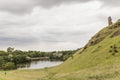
{"x":53,"y":24}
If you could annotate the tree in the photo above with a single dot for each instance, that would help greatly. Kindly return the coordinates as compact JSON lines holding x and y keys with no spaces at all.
{"x":18,"y":52}
{"x":1,"y":61}
{"x":3,"y":53}
{"x":10,"y":49}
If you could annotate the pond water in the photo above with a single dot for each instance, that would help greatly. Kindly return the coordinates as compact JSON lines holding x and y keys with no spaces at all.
{"x":39,"y":64}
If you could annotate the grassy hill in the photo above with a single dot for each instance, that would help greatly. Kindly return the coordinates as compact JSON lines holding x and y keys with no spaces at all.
{"x":98,"y":60}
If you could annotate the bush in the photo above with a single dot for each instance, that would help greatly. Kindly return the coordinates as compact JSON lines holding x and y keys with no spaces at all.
{"x":113,"y":49}
{"x":110,"y":51}
{"x":8,"y":66}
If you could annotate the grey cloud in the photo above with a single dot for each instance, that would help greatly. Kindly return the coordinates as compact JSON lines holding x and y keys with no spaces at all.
{"x":27,"y":32}
{"x":111,"y":2}
{"x":23,"y":6}
{"x":16,"y":6}
{"x":26,"y":6}
{"x":62,"y":36}
{"x":49,"y":3}
{"x":46,"y":39}
{"x":16,"y":40}
{"x":6,"y":23}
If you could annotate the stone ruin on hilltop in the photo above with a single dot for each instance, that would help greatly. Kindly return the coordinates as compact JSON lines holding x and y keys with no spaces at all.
{"x":109,"y":20}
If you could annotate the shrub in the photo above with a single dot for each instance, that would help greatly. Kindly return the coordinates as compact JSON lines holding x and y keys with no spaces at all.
{"x":113,"y":49}
{"x":8,"y":66}
{"x":110,"y":51}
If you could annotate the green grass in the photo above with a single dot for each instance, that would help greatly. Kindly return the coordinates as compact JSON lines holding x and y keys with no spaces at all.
{"x":95,"y":63}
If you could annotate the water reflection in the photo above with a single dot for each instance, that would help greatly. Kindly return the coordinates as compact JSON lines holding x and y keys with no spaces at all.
{"x":39,"y":64}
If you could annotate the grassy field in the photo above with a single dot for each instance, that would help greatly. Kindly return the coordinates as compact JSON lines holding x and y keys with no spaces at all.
{"x":94,"y":63}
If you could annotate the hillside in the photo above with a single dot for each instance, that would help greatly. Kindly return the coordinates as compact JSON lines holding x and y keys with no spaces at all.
{"x":98,"y":60}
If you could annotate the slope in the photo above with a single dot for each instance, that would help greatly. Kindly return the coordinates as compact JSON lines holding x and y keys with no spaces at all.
{"x":97,"y":51}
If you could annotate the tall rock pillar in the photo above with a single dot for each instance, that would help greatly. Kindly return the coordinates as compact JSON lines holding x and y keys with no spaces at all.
{"x":109,"y":20}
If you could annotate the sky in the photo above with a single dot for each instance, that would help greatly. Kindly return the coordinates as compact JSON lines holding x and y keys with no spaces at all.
{"x":48,"y":25}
